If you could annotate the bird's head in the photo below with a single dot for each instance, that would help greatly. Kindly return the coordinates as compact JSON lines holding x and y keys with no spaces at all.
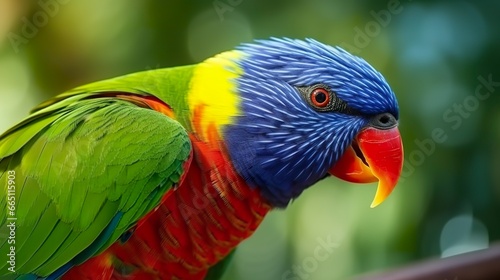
{"x":292,"y":112}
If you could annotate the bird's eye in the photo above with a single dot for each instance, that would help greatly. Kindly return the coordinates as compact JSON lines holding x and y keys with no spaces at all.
{"x":323,"y":99}
{"x":320,"y":97}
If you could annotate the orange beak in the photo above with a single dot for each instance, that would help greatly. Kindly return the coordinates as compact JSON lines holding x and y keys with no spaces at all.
{"x":375,"y":155}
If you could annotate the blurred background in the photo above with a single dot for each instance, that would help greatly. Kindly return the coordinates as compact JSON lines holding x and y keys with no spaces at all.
{"x":440,"y":57}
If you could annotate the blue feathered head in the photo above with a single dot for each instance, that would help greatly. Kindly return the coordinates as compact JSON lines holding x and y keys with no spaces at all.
{"x":305,"y":107}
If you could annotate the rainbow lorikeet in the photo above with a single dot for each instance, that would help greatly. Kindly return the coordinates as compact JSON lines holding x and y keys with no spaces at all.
{"x":161,"y":174}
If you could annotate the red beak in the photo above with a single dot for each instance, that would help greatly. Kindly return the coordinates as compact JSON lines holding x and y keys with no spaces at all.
{"x":375,"y":155}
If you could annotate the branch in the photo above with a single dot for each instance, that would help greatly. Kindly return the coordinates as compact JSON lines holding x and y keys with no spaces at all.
{"x":478,"y":265}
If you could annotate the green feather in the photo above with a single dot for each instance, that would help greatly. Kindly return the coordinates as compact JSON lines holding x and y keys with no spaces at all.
{"x":80,"y":160}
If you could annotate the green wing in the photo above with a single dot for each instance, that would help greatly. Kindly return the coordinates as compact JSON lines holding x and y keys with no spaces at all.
{"x":86,"y":169}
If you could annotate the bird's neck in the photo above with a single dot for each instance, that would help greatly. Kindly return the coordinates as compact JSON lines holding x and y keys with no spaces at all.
{"x":213,"y":99}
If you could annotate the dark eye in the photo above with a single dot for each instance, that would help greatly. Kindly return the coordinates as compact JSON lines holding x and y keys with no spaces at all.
{"x":320,"y":97}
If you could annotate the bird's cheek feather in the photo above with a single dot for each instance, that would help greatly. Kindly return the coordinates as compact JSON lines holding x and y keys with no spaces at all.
{"x":375,"y":155}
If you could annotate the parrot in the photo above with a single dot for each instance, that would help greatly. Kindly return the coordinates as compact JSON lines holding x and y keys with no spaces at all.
{"x":160,"y":174}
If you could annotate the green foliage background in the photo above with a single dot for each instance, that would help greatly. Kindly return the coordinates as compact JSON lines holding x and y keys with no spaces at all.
{"x":433,"y":53}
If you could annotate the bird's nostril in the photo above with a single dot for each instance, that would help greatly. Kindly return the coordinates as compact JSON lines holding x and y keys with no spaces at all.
{"x":384,"y":121}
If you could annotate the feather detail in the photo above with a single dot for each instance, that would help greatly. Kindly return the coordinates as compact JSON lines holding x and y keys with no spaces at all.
{"x":213,"y":88}
{"x":198,"y":224}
